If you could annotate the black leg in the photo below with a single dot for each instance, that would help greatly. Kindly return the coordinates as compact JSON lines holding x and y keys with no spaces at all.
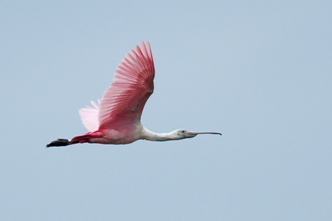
{"x":58,"y":143}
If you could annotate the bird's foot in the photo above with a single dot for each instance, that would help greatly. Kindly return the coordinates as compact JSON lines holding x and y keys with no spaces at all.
{"x":58,"y":143}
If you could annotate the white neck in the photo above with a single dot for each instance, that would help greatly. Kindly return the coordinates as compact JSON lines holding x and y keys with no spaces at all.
{"x":149,"y":135}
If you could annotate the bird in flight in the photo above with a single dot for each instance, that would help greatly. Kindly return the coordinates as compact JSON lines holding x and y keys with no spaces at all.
{"x":116,"y":118}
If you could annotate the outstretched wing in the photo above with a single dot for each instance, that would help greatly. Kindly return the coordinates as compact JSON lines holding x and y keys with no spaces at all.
{"x":124,"y":100}
{"x":89,"y":116}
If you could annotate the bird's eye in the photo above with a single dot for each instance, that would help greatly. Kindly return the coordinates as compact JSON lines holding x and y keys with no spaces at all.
{"x":182,"y":131}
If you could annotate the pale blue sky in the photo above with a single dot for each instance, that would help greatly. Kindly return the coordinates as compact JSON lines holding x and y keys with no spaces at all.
{"x":260,"y":72}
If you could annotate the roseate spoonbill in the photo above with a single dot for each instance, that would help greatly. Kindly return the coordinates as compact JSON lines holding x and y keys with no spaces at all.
{"x":116,"y":118}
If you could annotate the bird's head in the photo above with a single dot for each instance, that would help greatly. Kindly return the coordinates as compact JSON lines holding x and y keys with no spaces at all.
{"x":182,"y":134}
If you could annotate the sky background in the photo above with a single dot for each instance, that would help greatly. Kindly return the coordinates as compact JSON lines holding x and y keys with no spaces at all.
{"x":260,"y":72}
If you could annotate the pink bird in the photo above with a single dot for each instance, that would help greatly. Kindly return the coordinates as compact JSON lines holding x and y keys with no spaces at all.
{"x":116,"y":118}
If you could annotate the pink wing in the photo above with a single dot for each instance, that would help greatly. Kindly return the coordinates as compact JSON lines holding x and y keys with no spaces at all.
{"x":89,"y":116}
{"x":123,"y":102}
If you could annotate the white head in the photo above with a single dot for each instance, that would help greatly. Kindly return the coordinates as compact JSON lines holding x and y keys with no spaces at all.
{"x":182,"y":134}
{"x":174,"y":135}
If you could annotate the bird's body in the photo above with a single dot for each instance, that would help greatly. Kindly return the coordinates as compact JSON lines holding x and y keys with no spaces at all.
{"x":116,"y":118}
